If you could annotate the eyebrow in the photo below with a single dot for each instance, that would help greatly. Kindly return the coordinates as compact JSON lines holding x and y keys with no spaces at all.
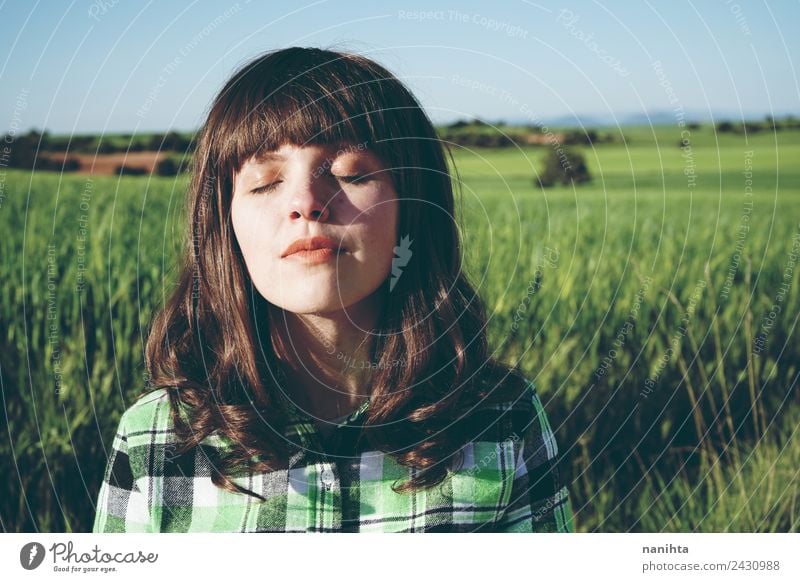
{"x":266,"y":156}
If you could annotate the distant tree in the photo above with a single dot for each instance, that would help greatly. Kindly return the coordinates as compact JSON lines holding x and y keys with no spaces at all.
{"x":458,"y":124}
{"x":24,"y":149}
{"x":505,"y":140}
{"x":82,"y":143}
{"x":725,"y":127}
{"x":44,"y":141}
{"x":693,"y":126}
{"x":563,"y":166}
{"x":751,"y":127}
{"x":175,"y":142}
{"x":484,"y":140}
{"x":156,"y":142}
{"x":106,"y":147}
{"x":580,"y":137}
{"x":171,"y":142}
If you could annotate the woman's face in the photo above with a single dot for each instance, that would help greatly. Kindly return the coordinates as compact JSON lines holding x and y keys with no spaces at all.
{"x":295,"y":193}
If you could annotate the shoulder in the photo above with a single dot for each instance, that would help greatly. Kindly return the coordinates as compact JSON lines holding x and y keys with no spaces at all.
{"x":149,"y":430}
{"x":498,"y":384}
{"x":148,"y":427}
{"x":149,"y":412}
{"x":508,"y":390}
{"x":518,"y":413}
{"x":506,"y":406}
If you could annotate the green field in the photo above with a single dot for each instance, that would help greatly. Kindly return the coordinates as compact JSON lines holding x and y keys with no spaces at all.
{"x":659,"y":331}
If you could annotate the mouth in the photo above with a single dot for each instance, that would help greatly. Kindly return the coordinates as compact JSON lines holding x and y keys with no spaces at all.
{"x":315,"y":256}
{"x":315,"y":243}
{"x":314,"y":250}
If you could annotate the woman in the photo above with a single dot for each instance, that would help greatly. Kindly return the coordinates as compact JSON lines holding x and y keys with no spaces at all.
{"x":323,"y":364}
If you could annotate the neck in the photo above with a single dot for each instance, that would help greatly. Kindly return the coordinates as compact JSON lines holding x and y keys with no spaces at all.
{"x":326,"y":356}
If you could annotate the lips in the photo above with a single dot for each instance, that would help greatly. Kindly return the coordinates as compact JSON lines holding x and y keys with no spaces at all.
{"x":312,"y":244}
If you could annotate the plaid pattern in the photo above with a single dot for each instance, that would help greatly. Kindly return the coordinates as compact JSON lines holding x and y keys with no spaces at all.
{"x":509,"y":480}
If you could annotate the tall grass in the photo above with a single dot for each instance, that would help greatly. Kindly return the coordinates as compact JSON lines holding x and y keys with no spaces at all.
{"x":642,"y":316}
{"x":84,"y":264}
{"x":648,"y":320}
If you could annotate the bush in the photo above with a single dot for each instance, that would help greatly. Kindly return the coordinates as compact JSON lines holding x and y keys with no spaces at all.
{"x":167,"y":167}
{"x":48,"y":164}
{"x":130,"y":171}
{"x":482,"y":139}
{"x":563,"y":166}
{"x":579,"y":137}
{"x":71,"y":165}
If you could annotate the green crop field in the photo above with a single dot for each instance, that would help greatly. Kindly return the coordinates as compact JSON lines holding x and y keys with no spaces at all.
{"x":655,"y":308}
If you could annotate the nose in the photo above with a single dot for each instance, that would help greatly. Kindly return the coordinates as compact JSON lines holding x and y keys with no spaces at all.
{"x":310,"y":201}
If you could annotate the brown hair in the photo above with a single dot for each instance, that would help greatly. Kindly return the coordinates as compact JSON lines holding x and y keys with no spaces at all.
{"x":210,"y":346}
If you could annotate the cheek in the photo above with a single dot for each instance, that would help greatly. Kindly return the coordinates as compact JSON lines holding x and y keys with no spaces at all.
{"x":380,"y":234}
{"x":244,"y":226}
{"x":252,"y":232}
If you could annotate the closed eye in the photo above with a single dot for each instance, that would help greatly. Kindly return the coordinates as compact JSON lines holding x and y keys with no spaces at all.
{"x":355,"y":179}
{"x":266,"y":187}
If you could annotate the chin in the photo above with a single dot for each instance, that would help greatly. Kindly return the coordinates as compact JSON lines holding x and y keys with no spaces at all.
{"x":310,"y":299}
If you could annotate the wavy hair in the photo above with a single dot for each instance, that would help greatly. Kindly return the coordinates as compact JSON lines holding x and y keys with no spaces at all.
{"x":209,"y":346}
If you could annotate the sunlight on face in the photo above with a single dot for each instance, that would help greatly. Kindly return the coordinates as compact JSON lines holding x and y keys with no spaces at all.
{"x":342,"y":193}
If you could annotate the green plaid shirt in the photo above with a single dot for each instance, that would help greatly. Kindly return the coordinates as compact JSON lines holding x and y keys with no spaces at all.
{"x":509,"y":481}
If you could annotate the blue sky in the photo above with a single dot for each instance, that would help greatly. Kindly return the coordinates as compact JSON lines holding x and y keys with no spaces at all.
{"x":125,"y":66}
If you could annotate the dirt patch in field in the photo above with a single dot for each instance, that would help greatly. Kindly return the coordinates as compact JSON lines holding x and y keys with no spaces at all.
{"x":108,"y":164}
{"x":543,"y":138}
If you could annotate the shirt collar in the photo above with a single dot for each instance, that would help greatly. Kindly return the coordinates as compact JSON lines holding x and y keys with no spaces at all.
{"x":298,"y":416}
